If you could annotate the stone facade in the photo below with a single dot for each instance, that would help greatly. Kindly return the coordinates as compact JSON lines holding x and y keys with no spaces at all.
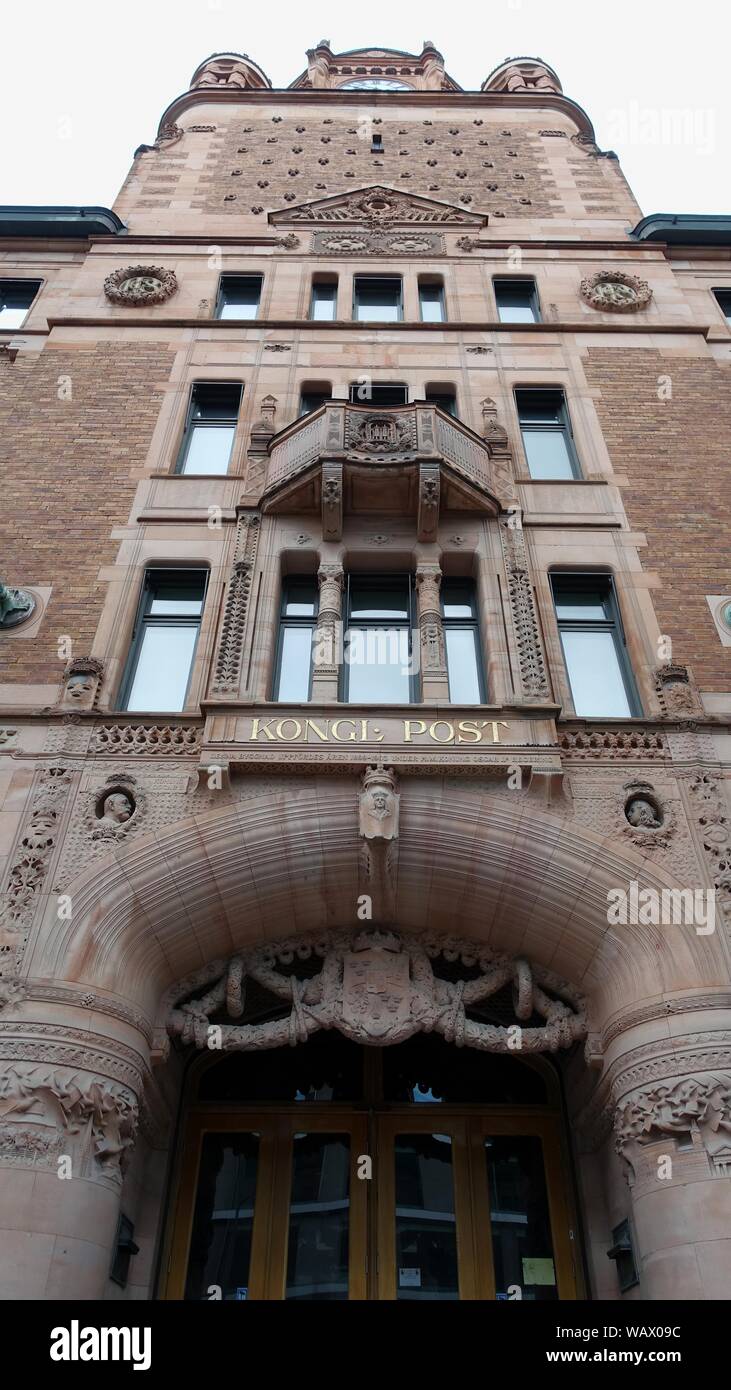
{"x":150,"y":860}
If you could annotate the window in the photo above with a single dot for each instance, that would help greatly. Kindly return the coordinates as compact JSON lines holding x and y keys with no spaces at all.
{"x":547,"y":436}
{"x":462,"y":642}
{"x":210,"y":427}
{"x":313,"y":395}
{"x":238,"y":297}
{"x":724,"y":303}
{"x":378,"y":393}
{"x":377,"y":299}
{"x":164,"y":640}
{"x":517,"y":301}
{"x":431,"y":301}
{"x":378,"y":641}
{"x":376,"y":143}
{"x":443,"y":396}
{"x":297,"y":617}
{"x":16,"y":297}
{"x":323,"y":304}
{"x":593,"y":646}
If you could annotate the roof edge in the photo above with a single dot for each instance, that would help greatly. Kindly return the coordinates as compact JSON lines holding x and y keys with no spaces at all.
{"x":52,"y":221}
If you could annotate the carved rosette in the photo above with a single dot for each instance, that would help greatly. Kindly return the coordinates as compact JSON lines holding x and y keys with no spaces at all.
{"x":136,"y":285}
{"x":227,"y":669}
{"x":616,"y":292}
{"x":531,"y":658}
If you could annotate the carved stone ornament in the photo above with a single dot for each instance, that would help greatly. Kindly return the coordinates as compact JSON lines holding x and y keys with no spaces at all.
{"x":16,"y":606}
{"x":379,"y":207}
{"x":378,"y":805}
{"x":82,"y":678}
{"x":54,"y":1111}
{"x":116,"y":809}
{"x":147,"y":740}
{"x":379,"y":435}
{"x":647,"y":821}
{"x":613,"y":291}
{"x":377,"y":987}
{"x":692,"y":1107}
{"x":677,"y":692}
{"x":29,"y":864}
{"x":227,"y":669}
{"x":140,"y":285}
{"x":377,"y":243}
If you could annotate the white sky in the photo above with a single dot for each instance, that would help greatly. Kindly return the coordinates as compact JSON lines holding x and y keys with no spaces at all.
{"x":85,"y":82}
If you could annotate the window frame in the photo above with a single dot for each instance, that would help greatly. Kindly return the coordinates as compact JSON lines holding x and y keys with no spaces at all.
{"x":143,"y":621}
{"x":397,"y":279}
{"x":396,"y":385}
{"x":425,"y":282}
{"x":468,"y":625}
{"x":724,"y":290}
{"x":380,"y":581}
{"x":290,"y":583}
{"x":236,"y":275}
{"x":564,"y":427}
{"x":19,"y":280}
{"x":589,"y":580}
{"x":533,"y":297}
{"x":191,"y":426}
{"x":301,"y":414}
{"x":318,"y":281}
{"x":430,"y":396}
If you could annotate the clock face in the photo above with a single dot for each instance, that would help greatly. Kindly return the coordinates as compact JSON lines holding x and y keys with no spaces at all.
{"x":376,"y":84}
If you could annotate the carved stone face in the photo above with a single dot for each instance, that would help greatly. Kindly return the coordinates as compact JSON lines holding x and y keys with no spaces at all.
{"x":117,"y":809}
{"x":641,"y":813}
{"x":381,"y":803}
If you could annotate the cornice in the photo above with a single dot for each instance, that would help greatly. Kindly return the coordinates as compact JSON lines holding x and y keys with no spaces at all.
{"x":362,"y":328}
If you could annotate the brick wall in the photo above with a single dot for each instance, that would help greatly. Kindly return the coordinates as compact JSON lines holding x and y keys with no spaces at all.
{"x":65,"y":469}
{"x":676,"y":455}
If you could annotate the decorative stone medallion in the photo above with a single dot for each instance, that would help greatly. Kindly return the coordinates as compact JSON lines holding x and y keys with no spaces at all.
{"x":613,"y":291}
{"x":16,"y":606}
{"x":140,"y":284}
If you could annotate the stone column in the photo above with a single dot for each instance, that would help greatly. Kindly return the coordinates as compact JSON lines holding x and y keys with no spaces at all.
{"x":328,"y":635}
{"x":663,"y":1110}
{"x":434,"y":681}
{"x":69,"y":1106}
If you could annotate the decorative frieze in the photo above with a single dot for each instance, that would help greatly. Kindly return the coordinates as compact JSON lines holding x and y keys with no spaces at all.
{"x":619,"y":743}
{"x":693,"y":1106}
{"x":227,"y":669}
{"x":47,"y":1112}
{"x":146,"y":740}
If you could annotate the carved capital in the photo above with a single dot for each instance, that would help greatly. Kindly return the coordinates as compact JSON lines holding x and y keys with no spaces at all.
{"x":692,"y":1108}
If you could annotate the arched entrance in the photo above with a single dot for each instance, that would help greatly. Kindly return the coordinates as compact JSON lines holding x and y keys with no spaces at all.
{"x":334,"y":1170}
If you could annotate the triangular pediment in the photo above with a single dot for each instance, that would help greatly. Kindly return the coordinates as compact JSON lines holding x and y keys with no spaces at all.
{"x":379,"y":206}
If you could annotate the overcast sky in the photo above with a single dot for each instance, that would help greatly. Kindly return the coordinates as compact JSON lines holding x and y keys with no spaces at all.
{"x":85,"y":82}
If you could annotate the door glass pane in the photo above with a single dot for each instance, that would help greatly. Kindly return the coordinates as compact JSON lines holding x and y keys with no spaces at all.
{"x":426,"y":1227}
{"x":378,"y":661}
{"x":462,"y":665}
{"x":595,"y":674}
{"x":547,"y":453}
{"x":163,"y":668}
{"x":209,"y":449}
{"x":294,"y":668}
{"x":519,"y":1218}
{"x":317,"y":1253}
{"x":220,"y":1247}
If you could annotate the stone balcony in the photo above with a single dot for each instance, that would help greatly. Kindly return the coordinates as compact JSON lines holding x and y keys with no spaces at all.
{"x":405,"y":460}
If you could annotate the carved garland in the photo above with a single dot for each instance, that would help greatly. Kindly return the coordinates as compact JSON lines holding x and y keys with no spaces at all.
{"x":379,"y":988}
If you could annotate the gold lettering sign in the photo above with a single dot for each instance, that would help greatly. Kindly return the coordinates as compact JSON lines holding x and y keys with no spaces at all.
{"x":299,"y":729}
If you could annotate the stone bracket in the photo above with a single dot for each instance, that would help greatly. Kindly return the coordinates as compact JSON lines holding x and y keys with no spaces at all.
{"x":427,"y":525}
{"x":332,"y":501}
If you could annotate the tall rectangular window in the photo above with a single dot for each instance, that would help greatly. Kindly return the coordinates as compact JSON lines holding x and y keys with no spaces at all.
{"x":431,"y":301}
{"x":547,"y":435}
{"x":723,"y":298}
{"x":378,"y":393}
{"x":313,"y":396}
{"x":443,"y":396}
{"x":16,"y":297}
{"x":517,"y":301}
{"x":462,"y":642}
{"x":297,"y":618}
{"x":164,"y":640}
{"x":324,"y":299}
{"x":594,"y":648}
{"x":379,"y":622}
{"x":210,"y":427}
{"x":377,"y":299}
{"x":238,"y":297}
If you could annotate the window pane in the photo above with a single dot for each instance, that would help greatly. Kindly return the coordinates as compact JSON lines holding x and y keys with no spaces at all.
{"x":463,"y":666}
{"x":239,"y":297}
{"x":294,"y":664}
{"x":445,"y":400}
{"x":16,"y":297}
{"x":378,"y":300}
{"x":540,"y":407}
{"x":324,"y":300}
{"x":312,"y":400}
{"x":373,"y":601}
{"x":378,"y":661}
{"x":588,"y":605}
{"x":220,"y":1246}
{"x":209,"y":449}
{"x":211,"y":401}
{"x":595,"y":675}
{"x":319,"y":1218}
{"x":426,"y":1224}
{"x":170,"y":599}
{"x":516,"y":313}
{"x":12,"y":317}
{"x":724,"y":301}
{"x":516,"y":301}
{"x":163,"y":668}
{"x":457,"y":599}
{"x":431,"y":298}
{"x":547,"y":453}
{"x":521,"y":1227}
{"x":300,"y":601}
